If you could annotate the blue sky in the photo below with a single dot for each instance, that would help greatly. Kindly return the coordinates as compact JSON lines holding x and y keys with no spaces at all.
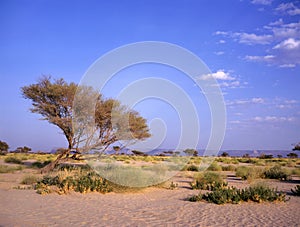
{"x":252,"y":48}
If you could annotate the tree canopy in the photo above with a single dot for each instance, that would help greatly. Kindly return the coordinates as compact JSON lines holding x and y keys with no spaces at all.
{"x":3,"y":146}
{"x":111,"y":121}
{"x":297,"y":147}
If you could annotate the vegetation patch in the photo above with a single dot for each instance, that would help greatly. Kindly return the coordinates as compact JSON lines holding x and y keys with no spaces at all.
{"x":234,"y":195}
{"x":249,"y":173}
{"x":12,"y":159}
{"x":296,"y":190}
{"x":29,"y":180}
{"x":9,"y":169}
{"x":208,"y":181}
{"x":276,"y":172}
{"x":82,"y":181}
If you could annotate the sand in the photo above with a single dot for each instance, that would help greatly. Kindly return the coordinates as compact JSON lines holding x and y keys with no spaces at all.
{"x":150,"y":207}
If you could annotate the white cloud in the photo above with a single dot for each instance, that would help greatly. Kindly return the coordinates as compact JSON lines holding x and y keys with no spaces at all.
{"x":219,"y":75}
{"x":256,"y":100}
{"x":259,"y":58}
{"x":219,"y":53}
{"x":287,"y":66}
{"x":288,"y":44}
{"x":221,"y":33}
{"x":288,"y":8}
{"x":262,"y":2}
{"x":251,"y":38}
{"x":222,"y":41}
{"x":283,"y":31}
{"x":282,"y":41}
{"x":273,"y":119}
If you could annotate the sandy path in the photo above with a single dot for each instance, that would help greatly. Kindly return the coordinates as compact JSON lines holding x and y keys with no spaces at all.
{"x":153,"y":207}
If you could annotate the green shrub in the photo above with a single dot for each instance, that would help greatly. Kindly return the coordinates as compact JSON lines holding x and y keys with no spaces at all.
{"x":192,"y":168}
{"x":173,"y":186}
{"x":208,"y":181}
{"x":296,"y":190}
{"x":249,"y":173}
{"x":276,"y":172}
{"x":40,"y":164}
{"x":228,"y":168}
{"x":11,"y":159}
{"x":234,"y":195}
{"x":83,"y":182}
{"x":214,"y":167}
{"x":30,"y":179}
{"x":9,"y":169}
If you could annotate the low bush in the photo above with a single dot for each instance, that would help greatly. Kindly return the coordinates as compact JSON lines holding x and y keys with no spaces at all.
{"x":234,"y":195}
{"x":208,"y":181}
{"x":191,"y":168}
{"x":249,"y":173}
{"x":228,"y":168}
{"x":214,"y":167}
{"x":40,"y":164}
{"x":296,"y":190}
{"x":12,"y":159}
{"x":276,"y":172}
{"x":83,"y":183}
{"x":9,"y":169}
{"x":29,"y":180}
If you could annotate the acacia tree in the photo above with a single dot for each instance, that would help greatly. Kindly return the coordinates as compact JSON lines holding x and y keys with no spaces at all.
{"x":3,"y":147}
{"x":297,"y":147}
{"x":111,"y":121}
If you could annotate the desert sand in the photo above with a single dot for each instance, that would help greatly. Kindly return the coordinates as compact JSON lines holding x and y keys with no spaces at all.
{"x":149,"y":207}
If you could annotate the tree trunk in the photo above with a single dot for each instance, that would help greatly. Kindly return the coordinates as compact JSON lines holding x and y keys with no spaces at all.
{"x":53,"y":164}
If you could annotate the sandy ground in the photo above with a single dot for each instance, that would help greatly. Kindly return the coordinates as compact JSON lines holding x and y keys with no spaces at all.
{"x":150,"y":207}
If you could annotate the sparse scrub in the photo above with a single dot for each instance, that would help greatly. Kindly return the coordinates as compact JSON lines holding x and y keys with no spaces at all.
{"x":30,"y":179}
{"x":296,"y":190}
{"x":39,"y":165}
{"x":83,"y":183}
{"x":208,"y":181}
{"x":12,"y":159}
{"x":276,"y":172}
{"x":228,"y":168}
{"x":249,"y":173}
{"x":191,"y":168}
{"x":234,"y":195}
{"x":173,"y":186}
{"x":9,"y":169}
{"x":214,"y":167}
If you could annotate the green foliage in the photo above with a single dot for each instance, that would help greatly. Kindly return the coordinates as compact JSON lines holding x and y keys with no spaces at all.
{"x":3,"y":148}
{"x":249,"y":173}
{"x":296,"y":190}
{"x":173,"y":186}
{"x":297,"y":147}
{"x":83,"y":183}
{"x":229,"y":168}
{"x":40,"y":164}
{"x":214,"y":167}
{"x":276,"y":172}
{"x":224,"y":154}
{"x":191,"y":168}
{"x":12,"y":159}
{"x":265,"y":156}
{"x":55,"y":101}
{"x":292,"y":155}
{"x":191,"y":152}
{"x":208,"y":181}
{"x":9,"y":169}
{"x":234,"y":195}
